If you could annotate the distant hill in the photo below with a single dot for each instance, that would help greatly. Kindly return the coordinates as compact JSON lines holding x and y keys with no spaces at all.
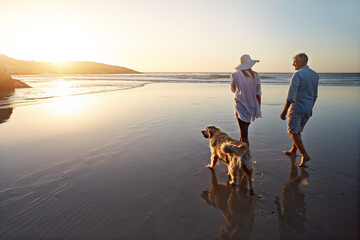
{"x":20,"y":67}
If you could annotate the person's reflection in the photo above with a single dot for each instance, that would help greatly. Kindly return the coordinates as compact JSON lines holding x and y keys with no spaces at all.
{"x":291,"y":209}
{"x":236,"y":207}
{"x":5,"y":113}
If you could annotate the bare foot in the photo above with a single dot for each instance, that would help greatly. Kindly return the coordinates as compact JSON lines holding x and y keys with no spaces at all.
{"x":304,"y":160}
{"x":290,"y":153}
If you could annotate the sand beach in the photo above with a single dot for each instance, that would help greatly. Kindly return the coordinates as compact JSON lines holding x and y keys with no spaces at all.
{"x":130,"y":164}
{"x":102,"y":104}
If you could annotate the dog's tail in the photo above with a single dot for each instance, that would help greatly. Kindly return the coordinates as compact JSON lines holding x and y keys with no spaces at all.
{"x":243,"y":152}
{"x":234,"y":149}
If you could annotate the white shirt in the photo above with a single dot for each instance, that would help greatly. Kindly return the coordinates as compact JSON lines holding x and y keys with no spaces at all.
{"x":246,"y":105}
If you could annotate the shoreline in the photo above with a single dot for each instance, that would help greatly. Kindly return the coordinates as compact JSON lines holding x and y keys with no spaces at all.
{"x":44,"y":99}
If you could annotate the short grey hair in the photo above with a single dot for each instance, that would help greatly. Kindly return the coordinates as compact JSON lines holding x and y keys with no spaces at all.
{"x":302,"y":56}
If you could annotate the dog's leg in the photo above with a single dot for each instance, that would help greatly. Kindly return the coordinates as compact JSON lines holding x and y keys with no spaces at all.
{"x":214,"y":159}
{"x":249,"y":175}
{"x":232,"y":169}
{"x":241,"y":175}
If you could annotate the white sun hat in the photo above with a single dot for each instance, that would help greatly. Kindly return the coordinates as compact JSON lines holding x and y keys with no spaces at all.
{"x":246,"y":62}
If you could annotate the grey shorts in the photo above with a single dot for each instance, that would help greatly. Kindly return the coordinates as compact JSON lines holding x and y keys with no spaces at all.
{"x":296,"y":122}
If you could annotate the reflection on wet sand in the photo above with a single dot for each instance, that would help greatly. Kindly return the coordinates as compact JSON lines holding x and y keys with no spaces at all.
{"x":291,"y":208}
{"x":5,"y":113}
{"x":237,"y":208}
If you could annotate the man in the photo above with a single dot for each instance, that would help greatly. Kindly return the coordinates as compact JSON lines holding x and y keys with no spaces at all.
{"x":302,"y":94}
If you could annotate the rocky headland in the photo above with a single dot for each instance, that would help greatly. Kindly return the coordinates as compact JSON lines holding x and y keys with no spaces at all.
{"x":10,"y":66}
{"x":21,"y":67}
{"x":7,"y":83}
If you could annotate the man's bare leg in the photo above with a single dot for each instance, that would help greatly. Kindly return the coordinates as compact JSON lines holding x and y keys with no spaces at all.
{"x":296,"y":138}
{"x":292,"y":151}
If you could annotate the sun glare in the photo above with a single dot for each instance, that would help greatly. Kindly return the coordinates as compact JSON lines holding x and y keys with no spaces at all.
{"x":54,"y":43}
{"x":64,"y":104}
{"x":61,"y":88}
{"x":69,"y":106}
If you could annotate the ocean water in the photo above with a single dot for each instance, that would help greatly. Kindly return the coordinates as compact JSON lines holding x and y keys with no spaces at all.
{"x":48,"y":86}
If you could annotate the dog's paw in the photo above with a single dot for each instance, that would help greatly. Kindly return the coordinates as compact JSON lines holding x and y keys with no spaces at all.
{"x":209,"y":166}
{"x":252,"y":192}
{"x":232,"y":182}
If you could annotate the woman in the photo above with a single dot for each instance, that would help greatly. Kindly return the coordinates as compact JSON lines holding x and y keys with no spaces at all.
{"x":245,"y":83}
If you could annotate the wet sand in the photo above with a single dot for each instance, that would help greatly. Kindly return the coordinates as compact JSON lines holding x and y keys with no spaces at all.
{"x":130,"y":165}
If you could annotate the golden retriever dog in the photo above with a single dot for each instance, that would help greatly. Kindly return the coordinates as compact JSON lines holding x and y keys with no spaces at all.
{"x":235,"y":154}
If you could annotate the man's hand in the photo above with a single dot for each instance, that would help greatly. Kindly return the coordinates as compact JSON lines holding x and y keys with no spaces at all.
{"x":284,"y":112}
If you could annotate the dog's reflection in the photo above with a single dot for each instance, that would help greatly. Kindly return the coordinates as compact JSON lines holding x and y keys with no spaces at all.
{"x":291,"y":209}
{"x":236,"y":206}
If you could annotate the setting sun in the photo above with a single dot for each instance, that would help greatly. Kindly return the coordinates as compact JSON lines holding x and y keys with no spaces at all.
{"x":59,"y":42}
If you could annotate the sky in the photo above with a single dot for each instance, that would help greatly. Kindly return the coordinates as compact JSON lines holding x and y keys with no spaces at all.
{"x":184,"y":36}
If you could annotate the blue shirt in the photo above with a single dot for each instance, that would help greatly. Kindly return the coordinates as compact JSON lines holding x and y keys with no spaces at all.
{"x":303,"y":90}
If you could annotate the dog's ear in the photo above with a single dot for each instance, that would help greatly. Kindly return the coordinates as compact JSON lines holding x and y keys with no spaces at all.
{"x":210,"y":132}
